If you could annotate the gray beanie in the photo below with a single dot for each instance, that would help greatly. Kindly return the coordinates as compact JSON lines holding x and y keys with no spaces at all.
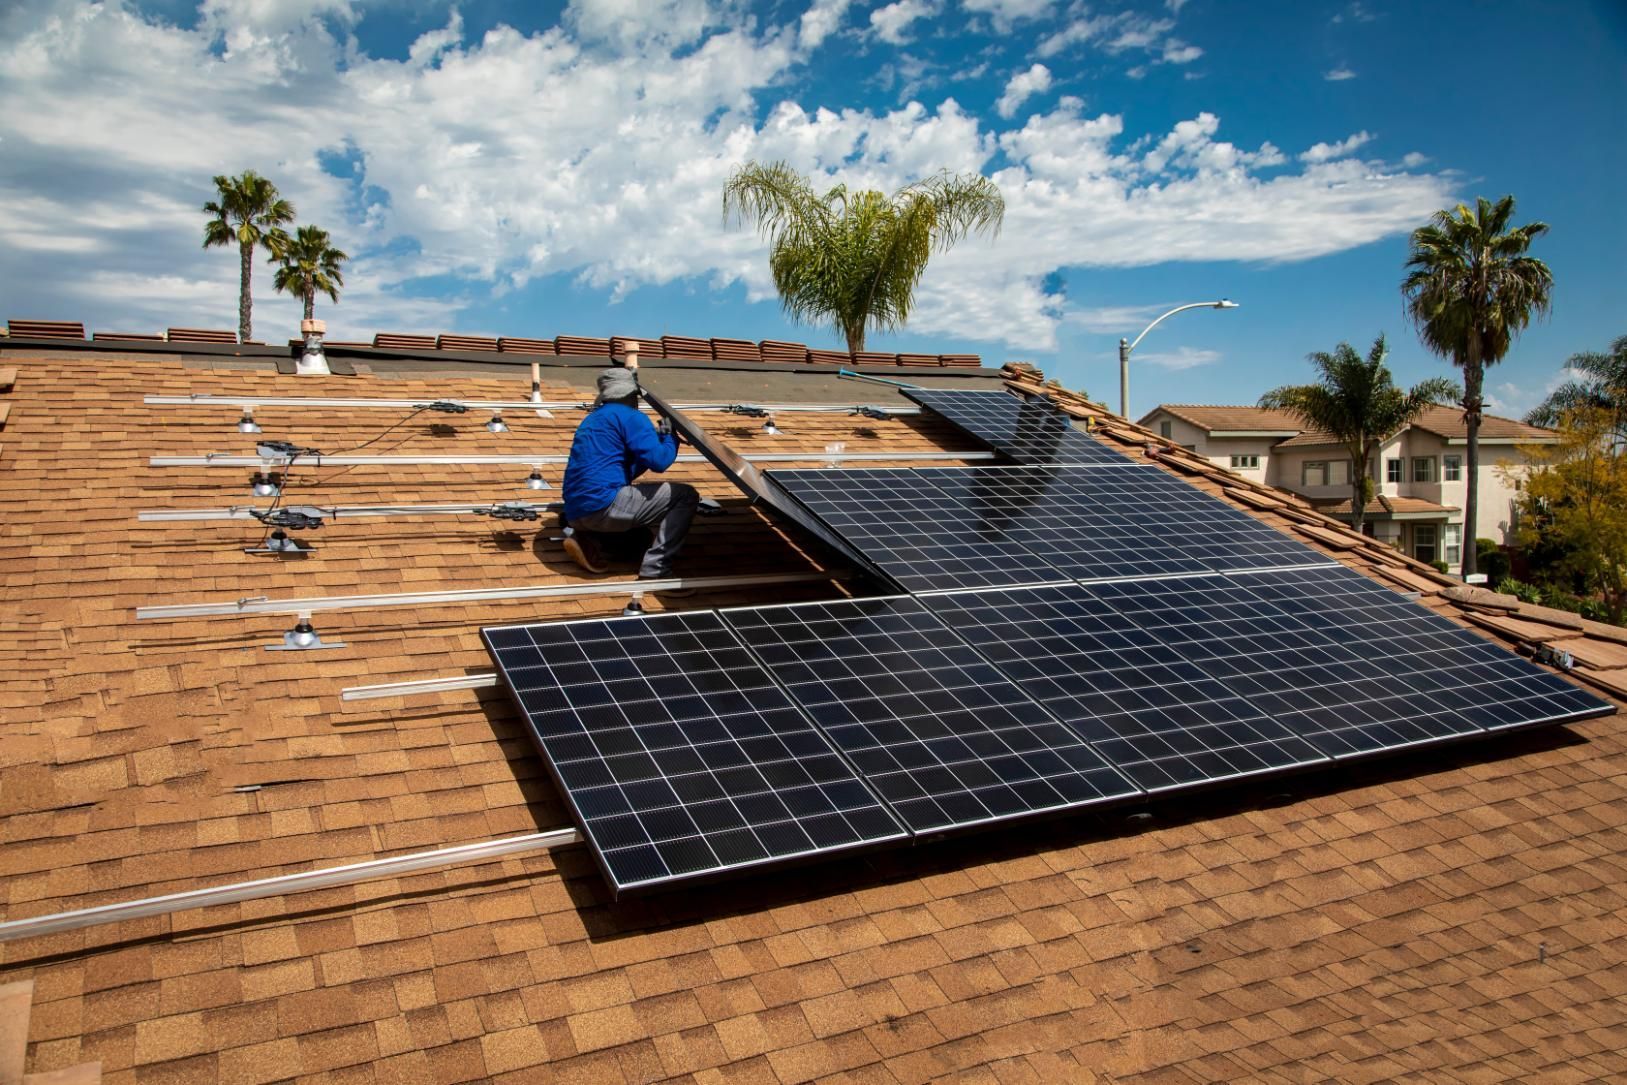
{"x":616,"y":383}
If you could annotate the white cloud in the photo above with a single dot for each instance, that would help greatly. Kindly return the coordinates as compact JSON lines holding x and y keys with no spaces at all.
{"x":1177,"y":359}
{"x":489,"y":163}
{"x":891,"y":22}
{"x":1339,"y":74}
{"x":1412,"y":159}
{"x":1116,"y":319}
{"x":1021,"y":87}
{"x":1326,"y":152}
{"x":1007,"y":12}
{"x":1178,"y":52}
{"x":822,"y":19}
{"x":629,"y":24}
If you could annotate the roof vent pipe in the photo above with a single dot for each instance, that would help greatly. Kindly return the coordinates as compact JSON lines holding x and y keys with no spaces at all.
{"x":536,"y":389}
{"x":313,"y":363}
{"x":631,"y":350}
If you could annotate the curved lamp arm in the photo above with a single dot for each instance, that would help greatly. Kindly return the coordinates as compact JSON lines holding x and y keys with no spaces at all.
{"x":1126,"y":346}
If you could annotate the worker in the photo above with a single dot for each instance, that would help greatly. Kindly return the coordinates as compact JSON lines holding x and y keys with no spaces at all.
{"x":613,"y":446}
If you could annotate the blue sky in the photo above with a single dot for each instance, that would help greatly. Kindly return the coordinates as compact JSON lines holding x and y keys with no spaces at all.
{"x":537,"y":169}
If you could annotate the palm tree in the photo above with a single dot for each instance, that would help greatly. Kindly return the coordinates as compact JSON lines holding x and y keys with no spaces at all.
{"x":247,"y":209}
{"x":854,"y":258}
{"x":306,"y":263}
{"x":1471,"y":289}
{"x":1355,"y":401}
{"x":1601,"y":383}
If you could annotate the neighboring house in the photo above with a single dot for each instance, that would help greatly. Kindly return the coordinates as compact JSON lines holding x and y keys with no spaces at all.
{"x":1419,"y":471}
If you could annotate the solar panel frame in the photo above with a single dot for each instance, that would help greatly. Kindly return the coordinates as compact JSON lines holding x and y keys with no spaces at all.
{"x":680,"y":756}
{"x":934,"y":728}
{"x":1027,"y":430}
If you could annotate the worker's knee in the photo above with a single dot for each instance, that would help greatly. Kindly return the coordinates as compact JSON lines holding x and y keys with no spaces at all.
{"x":685,"y":494}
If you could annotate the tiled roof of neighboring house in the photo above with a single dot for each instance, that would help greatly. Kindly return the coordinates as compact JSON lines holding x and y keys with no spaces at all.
{"x":1383,"y":505}
{"x":1247,"y":419}
{"x":1453,"y":918}
{"x":1444,"y":421}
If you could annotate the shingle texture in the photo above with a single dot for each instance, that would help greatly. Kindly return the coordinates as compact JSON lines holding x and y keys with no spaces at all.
{"x":1455,"y":920}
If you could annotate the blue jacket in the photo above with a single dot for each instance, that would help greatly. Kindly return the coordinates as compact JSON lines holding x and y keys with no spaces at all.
{"x":614,"y":445}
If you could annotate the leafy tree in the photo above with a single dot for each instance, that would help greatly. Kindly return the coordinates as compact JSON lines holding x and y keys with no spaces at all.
{"x":248,"y":209}
{"x":1575,"y":501}
{"x":1356,"y":400}
{"x":854,"y":258}
{"x":306,"y":263}
{"x":1471,"y":289}
{"x":1601,"y":382}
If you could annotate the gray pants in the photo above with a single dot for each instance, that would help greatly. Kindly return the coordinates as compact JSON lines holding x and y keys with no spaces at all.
{"x":669,"y":506}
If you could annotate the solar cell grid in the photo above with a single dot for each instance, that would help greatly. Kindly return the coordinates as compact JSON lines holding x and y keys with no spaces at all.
{"x":679,"y":753}
{"x":1159,"y":718}
{"x":931,"y":725}
{"x":965,"y":527}
{"x":1030,"y":431}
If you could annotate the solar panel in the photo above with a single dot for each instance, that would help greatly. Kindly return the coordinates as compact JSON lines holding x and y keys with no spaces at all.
{"x":679,"y":754}
{"x":967,"y":527}
{"x":1030,"y":431}
{"x":1144,"y":705}
{"x":931,"y":725}
{"x":1348,"y":665}
{"x":1444,"y":662}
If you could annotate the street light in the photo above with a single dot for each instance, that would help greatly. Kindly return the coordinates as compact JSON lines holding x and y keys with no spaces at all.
{"x":1126,"y":346}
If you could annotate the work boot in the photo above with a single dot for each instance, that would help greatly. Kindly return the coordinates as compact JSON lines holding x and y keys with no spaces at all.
{"x":584,"y":550}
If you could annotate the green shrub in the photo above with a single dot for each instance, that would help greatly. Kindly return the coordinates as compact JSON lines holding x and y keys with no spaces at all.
{"x":1441,"y":566}
{"x":1519,"y":589}
{"x":1491,"y":560}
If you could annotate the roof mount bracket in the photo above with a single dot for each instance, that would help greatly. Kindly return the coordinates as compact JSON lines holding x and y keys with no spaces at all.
{"x":278,"y":544}
{"x":302,"y":638}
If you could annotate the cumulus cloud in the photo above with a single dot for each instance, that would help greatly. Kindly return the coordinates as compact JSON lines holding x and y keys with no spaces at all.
{"x":470,"y":168}
{"x":1339,"y":74}
{"x":822,"y":19}
{"x":1007,"y":12}
{"x":1021,"y":87}
{"x":1326,"y":152}
{"x":892,"y":22}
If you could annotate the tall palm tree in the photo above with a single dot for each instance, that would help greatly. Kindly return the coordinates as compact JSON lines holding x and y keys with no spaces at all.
{"x":854,"y":258}
{"x":1600,"y":383}
{"x":1471,"y":289}
{"x":1356,"y":401}
{"x":306,"y":263}
{"x":247,"y":210}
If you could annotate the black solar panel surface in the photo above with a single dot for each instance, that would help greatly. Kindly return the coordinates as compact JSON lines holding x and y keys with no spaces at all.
{"x":965,"y":527}
{"x":1144,"y":705}
{"x":930,"y":724}
{"x":679,"y":753}
{"x":1029,"y":431}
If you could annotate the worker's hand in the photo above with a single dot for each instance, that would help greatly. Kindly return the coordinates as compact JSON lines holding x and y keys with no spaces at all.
{"x":664,"y":428}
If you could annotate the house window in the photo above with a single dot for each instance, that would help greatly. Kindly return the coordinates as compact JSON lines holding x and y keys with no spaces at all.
{"x":1452,"y":544}
{"x":1165,"y":428}
{"x":1423,"y":469}
{"x":1314,"y":473}
{"x":1245,"y":463}
{"x":1452,"y":468}
{"x":1423,"y":542}
{"x":1392,"y":470}
{"x":1339,"y":473}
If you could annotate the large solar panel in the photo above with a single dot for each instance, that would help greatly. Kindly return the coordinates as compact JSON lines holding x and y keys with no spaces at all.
{"x":967,"y":527}
{"x":930,"y":724}
{"x":679,"y":754}
{"x":1360,"y":672}
{"x":1145,"y":706}
{"x":1030,"y":431}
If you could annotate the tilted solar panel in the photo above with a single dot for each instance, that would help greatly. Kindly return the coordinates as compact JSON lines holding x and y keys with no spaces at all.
{"x":1030,"y":431}
{"x":679,"y":754}
{"x":1161,"y":720}
{"x":966,"y":527}
{"x":930,"y":725}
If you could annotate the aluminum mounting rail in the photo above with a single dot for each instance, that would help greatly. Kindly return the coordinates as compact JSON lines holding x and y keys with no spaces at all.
{"x":226,"y":459}
{"x":259,"y":604}
{"x":335,"y":512}
{"x":489,"y":404}
{"x":286,"y":884}
{"x":484,"y":680}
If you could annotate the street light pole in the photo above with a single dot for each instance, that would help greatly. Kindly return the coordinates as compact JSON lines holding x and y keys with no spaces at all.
{"x":1126,"y":346}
